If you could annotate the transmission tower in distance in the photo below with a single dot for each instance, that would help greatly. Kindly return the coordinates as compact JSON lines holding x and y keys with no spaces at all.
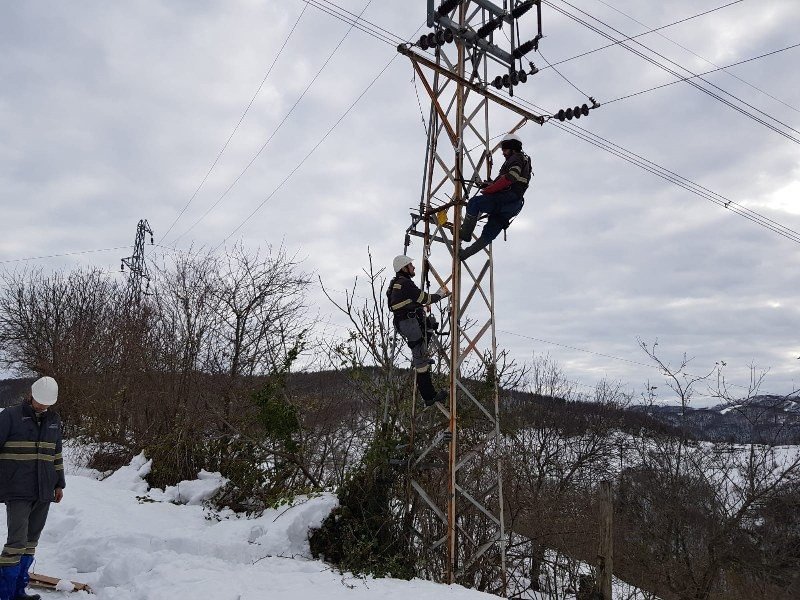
{"x":138,"y":273}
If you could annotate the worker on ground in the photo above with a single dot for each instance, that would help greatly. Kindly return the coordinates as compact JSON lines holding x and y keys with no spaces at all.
{"x":501,"y":199}
{"x":406,"y":301}
{"x":31,"y":477}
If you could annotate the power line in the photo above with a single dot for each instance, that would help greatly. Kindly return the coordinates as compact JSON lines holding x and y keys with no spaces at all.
{"x":310,"y":152}
{"x":669,"y":83}
{"x":560,"y":74}
{"x":419,"y":102}
{"x":236,"y":128}
{"x":669,"y":175}
{"x":679,"y":180}
{"x":29,"y":258}
{"x":356,"y":21}
{"x":675,"y":73}
{"x":535,"y":339}
{"x":633,"y":362}
{"x":274,"y":131}
{"x":644,"y":33}
{"x":695,"y":54}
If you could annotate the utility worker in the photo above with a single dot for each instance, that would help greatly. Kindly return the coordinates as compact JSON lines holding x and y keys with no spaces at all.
{"x":406,"y":301}
{"x":501,"y":199}
{"x":31,"y":477}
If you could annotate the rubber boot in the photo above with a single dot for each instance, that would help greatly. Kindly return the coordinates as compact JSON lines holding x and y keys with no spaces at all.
{"x":467,"y":227}
{"x":465,"y":253}
{"x":25,"y":562}
{"x":8,"y":581}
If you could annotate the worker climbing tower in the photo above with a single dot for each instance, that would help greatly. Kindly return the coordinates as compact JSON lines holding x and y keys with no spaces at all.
{"x":472,"y":51}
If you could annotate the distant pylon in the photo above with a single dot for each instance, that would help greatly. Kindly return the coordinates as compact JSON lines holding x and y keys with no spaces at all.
{"x":138,"y":273}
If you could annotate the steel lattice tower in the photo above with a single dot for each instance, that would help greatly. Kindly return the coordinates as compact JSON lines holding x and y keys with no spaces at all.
{"x":462,"y":528}
{"x":138,"y":273}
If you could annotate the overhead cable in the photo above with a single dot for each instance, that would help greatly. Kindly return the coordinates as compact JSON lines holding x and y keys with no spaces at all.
{"x":672,"y":177}
{"x":236,"y":128}
{"x":644,"y":33}
{"x":28,"y":258}
{"x":275,"y":130}
{"x":695,"y":54}
{"x":310,"y":152}
{"x":669,"y":83}
{"x":678,"y":75}
{"x":356,"y":21}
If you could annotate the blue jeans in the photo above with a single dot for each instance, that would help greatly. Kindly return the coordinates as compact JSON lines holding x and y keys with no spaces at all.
{"x":501,"y":208}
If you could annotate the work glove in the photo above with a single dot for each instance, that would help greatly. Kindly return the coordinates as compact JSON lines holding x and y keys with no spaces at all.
{"x":442,"y":292}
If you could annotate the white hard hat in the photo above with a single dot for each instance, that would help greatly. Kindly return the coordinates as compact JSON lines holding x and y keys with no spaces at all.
{"x":512,"y":141}
{"x":401,"y":261}
{"x":45,"y":391}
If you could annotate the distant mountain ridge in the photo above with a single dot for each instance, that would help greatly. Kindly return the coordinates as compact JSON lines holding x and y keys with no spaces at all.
{"x":763,"y":419}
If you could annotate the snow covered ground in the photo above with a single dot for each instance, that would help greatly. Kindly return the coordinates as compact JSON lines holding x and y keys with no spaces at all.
{"x":129,"y":543}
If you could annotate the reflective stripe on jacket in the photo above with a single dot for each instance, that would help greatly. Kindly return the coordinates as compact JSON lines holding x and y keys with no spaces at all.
{"x":518,"y":169}
{"x":405,"y":297}
{"x":31,"y":464}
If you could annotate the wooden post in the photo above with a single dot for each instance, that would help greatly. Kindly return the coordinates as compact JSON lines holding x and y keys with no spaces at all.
{"x":605,"y":565}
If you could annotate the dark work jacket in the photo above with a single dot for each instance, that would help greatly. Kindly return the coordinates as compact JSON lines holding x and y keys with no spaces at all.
{"x":518,"y":169}
{"x":405,"y":298}
{"x":31,"y":466}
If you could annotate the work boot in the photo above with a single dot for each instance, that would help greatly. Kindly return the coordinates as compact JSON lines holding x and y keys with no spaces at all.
{"x":425,"y":387}
{"x":467,"y":227}
{"x":440,"y":397}
{"x":465,"y":253}
{"x":25,"y":562}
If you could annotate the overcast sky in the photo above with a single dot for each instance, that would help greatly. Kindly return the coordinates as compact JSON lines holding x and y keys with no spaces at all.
{"x":114,"y":112}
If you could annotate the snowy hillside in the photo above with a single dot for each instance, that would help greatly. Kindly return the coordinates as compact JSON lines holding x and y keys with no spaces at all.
{"x":130,"y":544}
{"x":766,"y":419}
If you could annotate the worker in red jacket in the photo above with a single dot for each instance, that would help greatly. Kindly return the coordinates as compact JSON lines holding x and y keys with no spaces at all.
{"x":501,"y":200}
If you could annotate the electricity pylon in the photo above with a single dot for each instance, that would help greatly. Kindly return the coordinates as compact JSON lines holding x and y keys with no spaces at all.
{"x":476,"y":45}
{"x":138,"y":273}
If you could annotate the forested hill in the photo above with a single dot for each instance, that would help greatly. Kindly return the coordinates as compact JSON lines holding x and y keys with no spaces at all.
{"x":760,"y":419}
{"x":765,"y":418}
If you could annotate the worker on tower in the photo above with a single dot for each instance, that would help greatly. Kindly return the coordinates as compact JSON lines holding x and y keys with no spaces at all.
{"x":501,"y":199}
{"x":31,"y":477}
{"x":407,"y":302}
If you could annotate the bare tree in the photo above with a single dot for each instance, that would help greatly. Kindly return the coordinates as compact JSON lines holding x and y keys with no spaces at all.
{"x":693,"y":514}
